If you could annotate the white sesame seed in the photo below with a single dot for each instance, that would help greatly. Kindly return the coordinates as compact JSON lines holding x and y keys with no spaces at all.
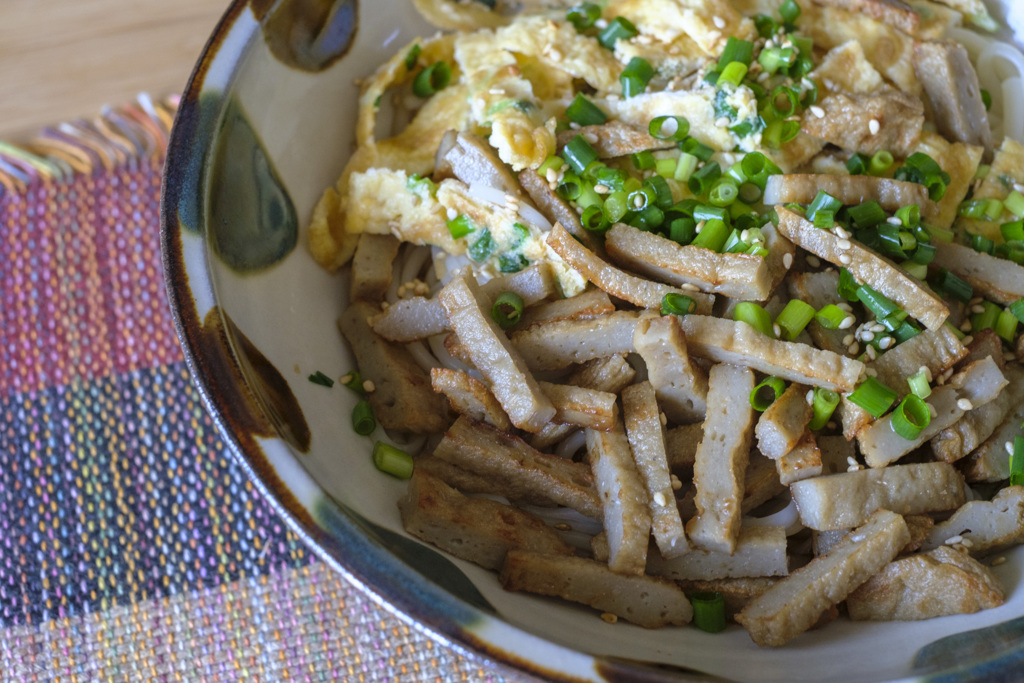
{"x":601,"y":189}
{"x":874,"y":126}
{"x":966,"y":341}
{"x":878,"y":327}
{"x":810,"y":397}
{"x":886,"y":343}
{"x":452,"y":214}
{"x":551,"y":175}
{"x":953,"y":540}
{"x":787,"y":260}
{"x":847,"y":322}
{"x":690,"y":287}
{"x":776,"y":329}
{"x":966,"y":326}
{"x":844,"y":244}
{"x":662,"y":419}
{"x":1019,"y":187}
{"x":841,"y":233}
{"x":867,"y":336}
{"x":931,"y":410}
{"x":700,"y":226}
{"x":676,"y":483}
{"x":975,"y":300}
{"x":977,"y":308}
{"x":853,"y":349}
{"x":845,"y":259}
{"x":601,"y":23}
{"x":590,"y":137}
{"x":845,"y":306}
{"x":848,"y":339}
{"x":763,"y":76}
{"x":718,"y":21}
{"x":892,"y":220}
{"x":813,"y":261}
{"x":345,"y":379}
{"x":659,"y":499}
{"x":871,"y":353}
{"x":997,"y":561}
{"x":1008,"y":445}
{"x":964,"y":404}
{"x":555,"y":54}
{"x":722,"y":122}
{"x":638,"y":202}
{"x":850,"y":460}
{"x":871,"y":372}
{"x":608,"y":616}
{"x":368,"y":386}
{"x":818,"y":111}
{"x":496,"y":91}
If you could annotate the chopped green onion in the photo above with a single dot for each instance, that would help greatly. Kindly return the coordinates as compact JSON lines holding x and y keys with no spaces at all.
{"x":736,"y":51}
{"x":755,"y":316}
{"x":662,"y":192}
{"x":570,"y":188}
{"x":985,"y":320}
{"x":873,"y":396}
{"x":1017,"y":462}
{"x":733,"y":74}
{"x":594,"y":219}
{"x":794,"y":318}
{"x":708,"y":611}
{"x":826,"y":220}
{"x":391,"y":460}
{"x":1014,"y":203}
{"x":669,"y":127}
{"x":635,"y":77}
{"x":616,"y":205}
{"x":1014,"y":230}
{"x":919,"y":383}
{"x":789,"y":11}
{"x":767,"y":393}
{"x":823,"y":201}
{"x":848,"y":286}
{"x":981,"y":243}
{"x":774,"y":58}
{"x":881,"y":162}
{"x":1017,"y":308}
{"x":952,"y":286}
{"x":1006,"y":325}
{"x":911,"y":417}
{"x":507,"y":309}
{"x":412,"y":56}
{"x":858,"y":164}
{"x":723,"y":192}
{"x":666,"y":168}
{"x":916,"y":270}
{"x":435,"y":77}
{"x":922,"y":169}
{"x":619,"y":28}
{"x":973,"y":208}
{"x":675,"y":303}
{"x":584,"y":112}
{"x":685,"y":167}
{"x":867,"y":215}
{"x":791,"y":98}
{"x":993,"y":209}
{"x":909,"y":215}
{"x":830,"y":316}
{"x":460,"y":226}
{"x":701,"y":181}
{"x":876,"y":302}
{"x":682,"y":230}
{"x":692,"y":145}
{"x":583,"y":16}
{"x":578,"y":153}
{"x":905,"y":331}
{"x":766,"y":26}
{"x":986,"y":99}
{"x":354,"y":382}
{"x":822,"y":406}
{"x":643,"y":160}
{"x":553,"y":163}
{"x":321,"y":379}
{"x":482,"y":247}
{"x":363,"y":422}
{"x":712,"y":236}
{"x":706,"y":212}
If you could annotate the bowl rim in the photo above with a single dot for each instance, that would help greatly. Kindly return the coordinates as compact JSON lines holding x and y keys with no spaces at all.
{"x":345,"y":546}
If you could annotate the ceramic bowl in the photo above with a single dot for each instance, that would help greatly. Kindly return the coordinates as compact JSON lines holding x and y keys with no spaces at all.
{"x":264,"y":126}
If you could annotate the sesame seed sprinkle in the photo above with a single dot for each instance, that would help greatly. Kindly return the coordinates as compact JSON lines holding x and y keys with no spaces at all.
{"x":845,"y":259}
{"x":718,"y":21}
{"x":874,"y":126}
{"x":787,"y":260}
{"x":892,"y":220}
{"x":776,"y":329}
{"x":818,"y":111}
{"x":813,"y":261}
{"x":964,"y":404}
{"x":847,"y":322}
{"x":953,"y":540}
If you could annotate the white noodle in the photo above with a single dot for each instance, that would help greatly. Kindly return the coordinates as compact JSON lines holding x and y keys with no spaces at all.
{"x":571,"y":444}
{"x":1013,"y":108}
{"x":423,"y":357}
{"x":786,"y":517}
{"x":415,"y":257}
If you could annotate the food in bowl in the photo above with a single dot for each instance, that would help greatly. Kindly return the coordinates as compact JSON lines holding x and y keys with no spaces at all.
{"x":694,"y":313}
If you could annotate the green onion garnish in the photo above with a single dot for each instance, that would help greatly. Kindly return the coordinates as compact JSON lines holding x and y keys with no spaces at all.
{"x":909,"y":215}
{"x":643,"y":160}
{"x":412,"y":56}
{"x":712,"y":236}
{"x":766,"y":393}
{"x":823,"y":405}
{"x":583,"y":16}
{"x":1006,"y":325}
{"x":830,"y":316}
{"x":985,"y":320}
{"x":911,"y":417}
{"x":873,"y":396}
{"x":594,"y":220}
{"x":616,"y":205}
{"x":736,"y":51}
{"x":321,"y":379}
{"x":1017,"y":308}
{"x":507,"y":309}
{"x":881,"y":162}
{"x":362,"y":418}
{"x":354,"y":382}
{"x":675,"y":303}
{"x":789,"y":11}
{"x":685,"y":167}
{"x":682,"y":230}
{"x":774,"y":58}
{"x":584,"y":112}
{"x":1014,"y":230}
{"x":919,"y":385}
{"x":867,"y":215}
{"x":823,"y":201}
{"x":619,"y":28}
{"x":755,"y":316}
{"x":391,"y":460}
{"x":794,"y":318}
{"x":692,"y":145}
{"x":981,"y":243}
{"x":733,"y":74}
{"x":669,"y":127}
{"x":790,"y":98}
{"x":724,"y":192}
{"x":708,"y":611}
{"x":460,"y":226}
{"x":435,"y":77}
{"x":635,"y":77}
{"x":1014,"y":203}
{"x":578,"y":153}
{"x":1017,"y":462}
{"x":702,"y":179}
{"x":848,"y":286}
{"x":858,"y":164}
{"x":952,"y":286}
{"x":973,"y":208}
{"x":876,"y":302}
{"x":922,"y":169}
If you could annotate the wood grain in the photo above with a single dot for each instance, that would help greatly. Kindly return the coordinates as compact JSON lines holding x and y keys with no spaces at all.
{"x":63,"y":59}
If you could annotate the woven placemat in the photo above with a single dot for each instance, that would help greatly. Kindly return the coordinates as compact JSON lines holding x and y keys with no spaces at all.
{"x":132,"y":546}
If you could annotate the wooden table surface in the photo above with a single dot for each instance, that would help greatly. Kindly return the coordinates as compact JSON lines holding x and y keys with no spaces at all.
{"x":63,"y":59}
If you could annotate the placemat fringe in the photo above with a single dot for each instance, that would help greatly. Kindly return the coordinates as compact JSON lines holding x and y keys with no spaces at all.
{"x":118,"y":136}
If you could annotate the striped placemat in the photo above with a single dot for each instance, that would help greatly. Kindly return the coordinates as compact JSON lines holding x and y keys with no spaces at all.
{"x":132,"y":547}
